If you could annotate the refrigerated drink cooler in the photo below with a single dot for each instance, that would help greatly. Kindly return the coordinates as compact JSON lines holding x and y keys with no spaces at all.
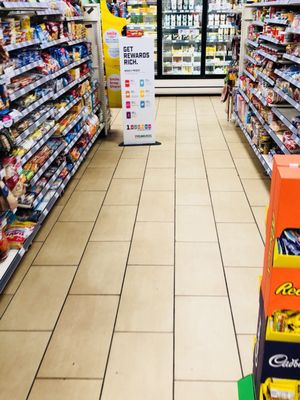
{"x":181,"y":37}
{"x":193,"y":40}
{"x":195,"y":44}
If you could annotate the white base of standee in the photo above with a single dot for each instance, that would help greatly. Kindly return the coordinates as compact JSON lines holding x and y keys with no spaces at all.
{"x":188,"y":86}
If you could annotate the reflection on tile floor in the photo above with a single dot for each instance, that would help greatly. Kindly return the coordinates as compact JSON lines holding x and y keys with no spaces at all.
{"x":145,"y":243}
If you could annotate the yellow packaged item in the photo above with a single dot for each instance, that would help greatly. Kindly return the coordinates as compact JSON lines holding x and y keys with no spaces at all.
{"x":280,"y":389}
{"x":25,"y":22}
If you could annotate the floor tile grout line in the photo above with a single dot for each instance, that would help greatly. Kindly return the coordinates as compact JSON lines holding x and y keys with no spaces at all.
{"x":174,"y":270}
{"x":204,"y":380}
{"x":71,"y":283}
{"x":27,"y":330}
{"x":55,"y":378}
{"x":240,"y":178}
{"x":219,"y":245}
{"x":145,"y":332}
{"x":123,"y":281}
{"x":201,"y":295}
{"x":255,"y":221}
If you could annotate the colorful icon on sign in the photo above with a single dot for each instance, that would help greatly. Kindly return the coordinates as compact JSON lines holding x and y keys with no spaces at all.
{"x":142,"y":83}
{"x":142,"y":104}
{"x":127,"y":83}
{"x":142,"y":93}
{"x":128,"y":115}
{"x":128,"y":104}
{"x":127,"y":94}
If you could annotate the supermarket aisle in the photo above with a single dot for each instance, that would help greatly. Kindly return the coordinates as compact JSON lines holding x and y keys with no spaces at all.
{"x":97,"y":305}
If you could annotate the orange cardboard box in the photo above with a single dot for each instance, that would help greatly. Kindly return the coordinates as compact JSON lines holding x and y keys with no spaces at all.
{"x":284,"y":210}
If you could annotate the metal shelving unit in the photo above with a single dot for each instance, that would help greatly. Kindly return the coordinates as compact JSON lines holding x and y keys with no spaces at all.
{"x":287,"y":78}
{"x":265,"y":162}
{"x":33,"y":127}
{"x":265,"y":78}
{"x":285,"y":112}
{"x":37,"y":146}
{"x":250,"y":76}
{"x":48,"y":196}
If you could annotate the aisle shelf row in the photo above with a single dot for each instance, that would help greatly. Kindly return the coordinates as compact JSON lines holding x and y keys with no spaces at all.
{"x":49,"y":96}
{"x":250,"y":76}
{"x":37,"y":145}
{"x":281,"y":114}
{"x":252,"y":60}
{"x":252,"y":43}
{"x":48,"y":12}
{"x":73,"y":123}
{"x":287,"y":78}
{"x":259,"y":97}
{"x":257,"y":23}
{"x":24,"y":113}
{"x":262,"y":158}
{"x":84,"y":153}
{"x":276,"y":139}
{"x":47,"y":187}
{"x":68,"y":67}
{"x":266,"y":126}
{"x":8,"y":267}
{"x":75,"y":139}
{"x":18,"y":93}
{"x":52,"y":43}
{"x":65,"y":109}
{"x":270,"y":39}
{"x":265,"y":78}
{"x":18,"y":71}
{"x":42,"y":45}
{"x":45,"y":200}
{"x":271,"y":57}
{"x":76,"y":41}
{"x":291,"y":57}
{"x":256,"y":113}
{"x":243,"y":94}
{"x":276,"y":21}
{"x":15,"y":95}
{"x":75,"y":18}
{"x":21,"y":45}
{"x":97,"y":108}
{"x":87,"y":94}
{"x":24,"y":5}
{"x":296,"y":138}
{"x":47,"y":164}
{"x":70,"y":86}
{"x":287,"y":98}
{"x":34,"y":126}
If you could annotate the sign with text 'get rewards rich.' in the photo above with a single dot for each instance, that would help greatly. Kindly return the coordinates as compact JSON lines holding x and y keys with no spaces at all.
{"x":137,"y":83}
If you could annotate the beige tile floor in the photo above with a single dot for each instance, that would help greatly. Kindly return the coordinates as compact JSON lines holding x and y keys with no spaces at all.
{"x":143,"y":282}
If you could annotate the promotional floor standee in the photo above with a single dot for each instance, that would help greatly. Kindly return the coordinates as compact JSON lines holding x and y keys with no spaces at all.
{"x":112,"y":28}
{"x":138,"y":93}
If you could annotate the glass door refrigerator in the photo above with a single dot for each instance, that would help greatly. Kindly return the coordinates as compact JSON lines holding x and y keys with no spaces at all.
{"x":196,"y":38}
{"x":142,"y":16}
{"x":181,"y":37}
{"x":193,"y":39}
{"x":222,"y":36}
